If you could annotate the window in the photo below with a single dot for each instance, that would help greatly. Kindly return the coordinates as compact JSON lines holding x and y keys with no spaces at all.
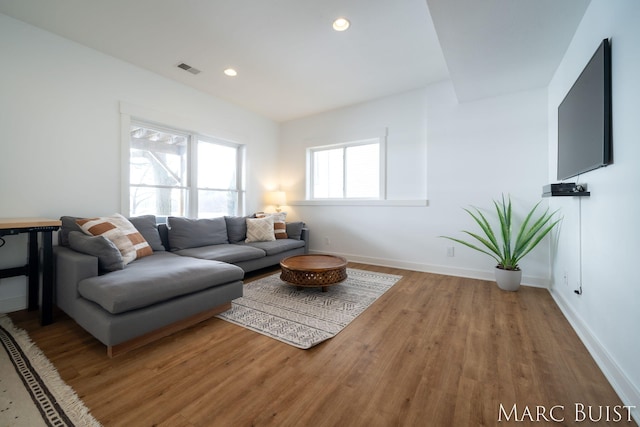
{"x":182,"y":174}
{"x":346,"y":171}
{"x":217,"y":182}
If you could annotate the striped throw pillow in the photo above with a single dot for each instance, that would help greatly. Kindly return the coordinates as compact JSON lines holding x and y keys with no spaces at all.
{"x":121,"y":232}
{"x":279,"y":223}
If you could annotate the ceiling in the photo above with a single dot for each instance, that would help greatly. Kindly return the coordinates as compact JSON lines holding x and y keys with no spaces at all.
{"x":291,"y":63}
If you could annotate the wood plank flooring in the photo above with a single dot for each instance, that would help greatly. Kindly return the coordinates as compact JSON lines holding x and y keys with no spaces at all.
{"x":432,"y":351}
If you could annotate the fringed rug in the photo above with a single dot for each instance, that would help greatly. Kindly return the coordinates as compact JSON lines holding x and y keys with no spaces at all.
{"x":31,"y":391}
{"x":304,"y":317}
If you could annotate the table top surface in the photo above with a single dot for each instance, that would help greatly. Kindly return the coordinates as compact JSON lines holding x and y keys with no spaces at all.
{"x":6,"y":223}
{"x":313,"y":262}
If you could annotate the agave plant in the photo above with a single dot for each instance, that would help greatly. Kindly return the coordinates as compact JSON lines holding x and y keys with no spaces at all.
{"x":501,"y":246}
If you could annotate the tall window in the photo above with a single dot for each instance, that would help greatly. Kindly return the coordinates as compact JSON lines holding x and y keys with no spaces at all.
{"x":181,"y":174}
{"x":218,"y":180}
{"x":346,"y":171}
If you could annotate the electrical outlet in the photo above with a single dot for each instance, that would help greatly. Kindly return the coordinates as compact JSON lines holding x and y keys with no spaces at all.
{"x":326,"y":240}
{"x":451,"y":251}
{"x":565,"y":278}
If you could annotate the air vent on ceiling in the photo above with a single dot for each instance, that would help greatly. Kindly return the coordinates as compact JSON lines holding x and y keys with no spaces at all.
{"x":188,"y":68}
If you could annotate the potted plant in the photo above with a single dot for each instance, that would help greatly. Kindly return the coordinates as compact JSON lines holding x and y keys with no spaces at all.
{"x":501,"y":246}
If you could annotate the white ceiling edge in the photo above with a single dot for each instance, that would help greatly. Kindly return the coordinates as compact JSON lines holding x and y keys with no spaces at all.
{"x":497,"y":47}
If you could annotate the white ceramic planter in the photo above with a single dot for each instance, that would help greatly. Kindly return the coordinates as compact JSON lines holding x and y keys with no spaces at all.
{"x":508,"y":280}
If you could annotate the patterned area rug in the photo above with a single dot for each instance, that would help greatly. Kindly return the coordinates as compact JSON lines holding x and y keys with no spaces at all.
{"x":31,"y":391}
{"x":307,"y":316}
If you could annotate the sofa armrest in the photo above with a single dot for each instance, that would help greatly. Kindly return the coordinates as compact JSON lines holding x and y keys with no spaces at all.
{"x":305,"y":236}
{"x":70,"y":268}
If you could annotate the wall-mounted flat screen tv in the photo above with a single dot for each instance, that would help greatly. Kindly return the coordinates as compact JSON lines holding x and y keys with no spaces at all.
{"x":584,"y":119}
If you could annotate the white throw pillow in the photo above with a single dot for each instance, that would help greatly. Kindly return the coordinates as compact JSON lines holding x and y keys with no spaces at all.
{"x":260,"y":230}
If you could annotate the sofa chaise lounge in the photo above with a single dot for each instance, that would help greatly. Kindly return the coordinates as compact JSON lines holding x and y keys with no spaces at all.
{"x":194,"y":269}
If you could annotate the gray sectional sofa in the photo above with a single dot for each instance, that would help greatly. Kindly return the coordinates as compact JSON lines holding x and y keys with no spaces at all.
{"x":196,"y":269}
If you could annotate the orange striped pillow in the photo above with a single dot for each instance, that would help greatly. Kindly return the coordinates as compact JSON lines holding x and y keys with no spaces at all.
{"x":279,"y":223}
{"x":121,"y":232}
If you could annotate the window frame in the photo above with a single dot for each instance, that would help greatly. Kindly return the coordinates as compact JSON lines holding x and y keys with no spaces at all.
{"x":239,"y":181}
{"x":191,"y":209}
{"x":381,"y":140}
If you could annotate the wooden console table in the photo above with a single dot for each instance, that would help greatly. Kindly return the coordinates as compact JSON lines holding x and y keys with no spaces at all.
{"x":33,"y":226}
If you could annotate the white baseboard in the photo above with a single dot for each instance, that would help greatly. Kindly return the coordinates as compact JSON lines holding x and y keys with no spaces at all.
{"x":9,"y":305}
{"x":628,"y":393}
{"x":537,"y":282}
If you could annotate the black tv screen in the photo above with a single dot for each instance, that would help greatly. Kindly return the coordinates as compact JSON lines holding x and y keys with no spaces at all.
{"x":584,"y":118}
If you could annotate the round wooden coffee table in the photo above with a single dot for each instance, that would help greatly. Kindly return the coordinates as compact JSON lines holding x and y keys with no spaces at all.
{"x":314,"y":270}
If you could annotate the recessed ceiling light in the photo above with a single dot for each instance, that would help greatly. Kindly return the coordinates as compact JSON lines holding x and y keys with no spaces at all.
{"x":341,"y":24}
{"x":230,"y":72}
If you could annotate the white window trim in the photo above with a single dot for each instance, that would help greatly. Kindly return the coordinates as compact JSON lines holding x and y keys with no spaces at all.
{"x":125,"y":135}
{"x":380,"y":138}
{"x":360,"y":202}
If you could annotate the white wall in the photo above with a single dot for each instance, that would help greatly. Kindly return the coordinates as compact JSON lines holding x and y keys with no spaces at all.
{"x":452,"y":154}
{"x":60,"y":121}
{"x":606,"y":315}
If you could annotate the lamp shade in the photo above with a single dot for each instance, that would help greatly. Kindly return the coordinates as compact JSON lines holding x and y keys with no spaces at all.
{"x":276,"y":198}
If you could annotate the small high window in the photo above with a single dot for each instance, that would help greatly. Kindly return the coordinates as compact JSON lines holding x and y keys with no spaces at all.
{"x":352,"y":170}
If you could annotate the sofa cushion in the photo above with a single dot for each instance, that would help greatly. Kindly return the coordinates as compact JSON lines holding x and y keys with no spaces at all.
{"x":146,"y":225}
{"x":294,"y":230}
{"x":121,"y":232}
{"x":192,"y":233}
{"x":260,"y":230}
{"x":236,"y":228}
{"x":69,"y":224}
{"x":278,"y":246}
{"x":226,"y":252}
{"x":163,"y":231}
{"x":109,"y":257}
{"x":154,"y":279}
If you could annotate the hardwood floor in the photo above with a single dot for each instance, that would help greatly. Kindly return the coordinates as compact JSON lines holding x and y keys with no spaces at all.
{"x":432,"y":351}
